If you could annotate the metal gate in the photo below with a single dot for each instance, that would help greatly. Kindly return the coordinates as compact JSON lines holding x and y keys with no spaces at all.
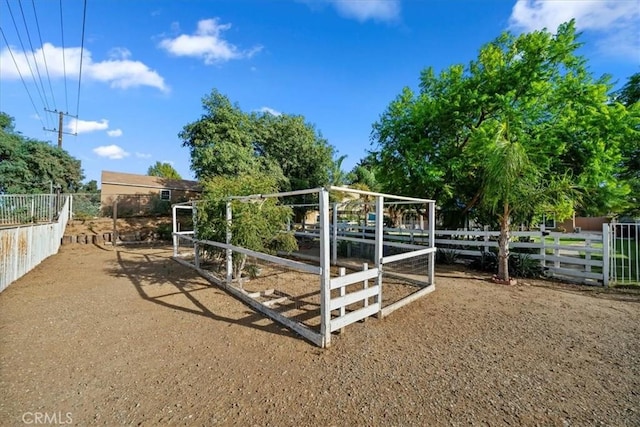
{"x":624,"y":253}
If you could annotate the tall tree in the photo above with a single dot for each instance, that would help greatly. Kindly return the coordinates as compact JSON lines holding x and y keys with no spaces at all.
{"x":32,"y":166}
{"x":163,"y":170}
{"x":629,"y":96}
{"x":514,"y":134}
{"x":226,"y":141}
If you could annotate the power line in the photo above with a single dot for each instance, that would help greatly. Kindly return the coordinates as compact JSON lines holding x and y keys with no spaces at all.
{"x":21,"y":78}
{"x":44,"y":57}
{"x":33,"y":54}
{"x":64,"y":61}
{"x":24,"y":51}
{"x":84,"y":19}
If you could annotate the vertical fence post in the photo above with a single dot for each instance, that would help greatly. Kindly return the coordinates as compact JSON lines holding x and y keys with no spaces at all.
{"x":174,"y":229}
{"x":115,"y":221}
{"x":228,"y":241}
{"x":379,"y":247}
{"x":605,"y":254}
{"x":587,"y":255}
{"x":486,"y":238}
{"x":334,"y":246}
{"x":432,"y":242}
{"x":543,"y":250}
{"x":325,"y":271}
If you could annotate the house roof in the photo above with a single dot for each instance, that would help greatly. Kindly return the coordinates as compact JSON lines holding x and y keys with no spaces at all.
{"x":145,"y":181}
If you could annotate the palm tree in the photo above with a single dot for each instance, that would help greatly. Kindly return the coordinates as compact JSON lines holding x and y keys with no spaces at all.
{"x":511,"y":183}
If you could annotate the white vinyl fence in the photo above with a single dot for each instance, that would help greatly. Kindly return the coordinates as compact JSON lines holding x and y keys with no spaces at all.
{"x":572,"y":257}
{"x":23,"y":247}
{"x":576,"y":257}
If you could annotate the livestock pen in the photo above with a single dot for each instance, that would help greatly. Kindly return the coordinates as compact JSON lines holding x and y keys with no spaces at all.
{"x":344,"y":268}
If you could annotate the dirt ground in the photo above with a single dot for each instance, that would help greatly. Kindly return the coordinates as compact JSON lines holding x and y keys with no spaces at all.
{"x":94,"y":336}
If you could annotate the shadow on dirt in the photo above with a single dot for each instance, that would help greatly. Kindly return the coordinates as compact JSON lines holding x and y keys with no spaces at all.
{"x":148,"y":268}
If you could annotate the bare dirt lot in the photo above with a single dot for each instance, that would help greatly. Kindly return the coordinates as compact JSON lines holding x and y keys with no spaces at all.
{"x":95,"y":336}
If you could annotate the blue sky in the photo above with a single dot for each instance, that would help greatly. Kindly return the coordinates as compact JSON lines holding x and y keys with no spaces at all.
{"x":147,"y":64}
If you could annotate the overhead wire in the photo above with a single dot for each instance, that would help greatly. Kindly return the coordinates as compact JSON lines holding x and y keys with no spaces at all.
{"x":33,"y":54}
{"x":44,"y":56}
{"x":84,"y":20}
{"x":24,"y":51}
{"x":21,"y":77}
{"x":64,"y":62}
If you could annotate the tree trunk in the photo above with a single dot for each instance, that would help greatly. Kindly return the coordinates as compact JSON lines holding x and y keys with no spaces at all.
{"x":503,"y":245}
{"x":239,"y":267}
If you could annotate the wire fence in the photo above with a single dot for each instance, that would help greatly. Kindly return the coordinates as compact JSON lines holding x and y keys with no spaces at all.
{"x":16,"y":209}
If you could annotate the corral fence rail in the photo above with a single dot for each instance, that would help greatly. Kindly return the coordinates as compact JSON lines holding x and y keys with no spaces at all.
{"x":25,"y":246}
{"x":573,"y":257}
{"x":345,"y":275}
{"x":610,"y":257}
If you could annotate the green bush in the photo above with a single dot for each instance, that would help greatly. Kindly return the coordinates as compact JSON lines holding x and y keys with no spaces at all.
{"x":446,"y":256}
{"x":520,"y":264}
{"x":164,"y":231}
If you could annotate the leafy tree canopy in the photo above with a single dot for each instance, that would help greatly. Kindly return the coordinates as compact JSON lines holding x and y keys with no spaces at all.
{"x":31,"y":166}
{"x":163,"y":170}
{"x":629,"y":96}
{"x":89,"y":187}
{"x":522,"y":130}
{"x":257,"y":226}
{"x":527,"y":99}
{"x":226,"y":141}
{"x":630,"y":92}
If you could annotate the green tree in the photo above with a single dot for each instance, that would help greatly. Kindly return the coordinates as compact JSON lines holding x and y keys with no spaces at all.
{"x":630,"y":92}
{"x":226,"y":141}
{"x":337,"y":175}
{"x":163,"y":170}
{"x":629,"y":96}
{"x":31,"y":166}
{"x":522,"y":130}
{"x":89,"y":187}
{"x":257,"y":226}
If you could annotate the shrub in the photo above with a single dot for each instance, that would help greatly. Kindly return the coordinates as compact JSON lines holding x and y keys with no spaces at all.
{"x":446,"y":256}
{"x":520,"y":265}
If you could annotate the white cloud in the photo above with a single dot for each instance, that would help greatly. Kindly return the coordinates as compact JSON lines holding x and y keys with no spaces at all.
{"x":113,"y":152}
{"x":86,"y":126}
{"x":118,"y":72}
{"x":207,"y":43}
{"x":363,"y":10}
{"x":119,"y":53}
{"x":270,"y":111}
{"x":114,"y":133}
{"x":143,"y":155}
{"x":615,"y":22}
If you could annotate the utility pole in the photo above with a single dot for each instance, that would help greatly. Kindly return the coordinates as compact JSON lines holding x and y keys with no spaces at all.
{"x":59,"y":130}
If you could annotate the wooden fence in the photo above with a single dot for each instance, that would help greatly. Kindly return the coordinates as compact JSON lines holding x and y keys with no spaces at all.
{"x":23,"y":247}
